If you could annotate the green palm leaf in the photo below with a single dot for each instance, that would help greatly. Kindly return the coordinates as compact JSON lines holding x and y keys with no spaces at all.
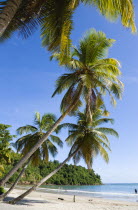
{"x":26,"y":142}
{"x":26,"y":129}
{"x":90,"y":139}
{"x":108,"y":131}
{"x":55,"y":20}
{"x":92,"y":76}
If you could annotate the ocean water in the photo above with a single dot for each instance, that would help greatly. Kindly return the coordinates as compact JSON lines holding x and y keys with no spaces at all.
{"x":121,"y":191}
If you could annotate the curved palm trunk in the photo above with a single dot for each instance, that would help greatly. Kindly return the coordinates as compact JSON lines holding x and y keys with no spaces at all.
{"x":38,"y":144}
{"x":16,"y":181}
{"x":8,"y":13}
{"x":43,"y":180}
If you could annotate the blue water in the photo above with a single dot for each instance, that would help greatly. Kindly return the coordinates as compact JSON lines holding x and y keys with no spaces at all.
{"x":123,"y":191}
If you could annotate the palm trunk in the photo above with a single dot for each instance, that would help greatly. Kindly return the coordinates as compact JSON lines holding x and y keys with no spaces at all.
{"x":38,"y":144}
{"x":88,"y":106}
{"x":43,"y":180}
{"x":16,"y":181}
{"x":7,"y":14}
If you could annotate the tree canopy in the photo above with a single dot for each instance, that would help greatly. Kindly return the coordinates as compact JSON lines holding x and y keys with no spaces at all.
{"x":55,"y":18}
{"x":34,"y":133}
{"x":91,"y":75}
{"x":5,"y":150}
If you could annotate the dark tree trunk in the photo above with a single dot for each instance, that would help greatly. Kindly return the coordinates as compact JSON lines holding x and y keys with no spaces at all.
{"x":7,"y":14}
{"x":16,"y":181}
{"x":43,"y":180}
{"x":38,"y":144}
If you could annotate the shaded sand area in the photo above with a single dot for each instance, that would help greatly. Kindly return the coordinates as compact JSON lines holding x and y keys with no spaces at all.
{"x":49,"y":201}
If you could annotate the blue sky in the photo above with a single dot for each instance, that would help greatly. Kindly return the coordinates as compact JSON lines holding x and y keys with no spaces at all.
{"x":27,"y":83}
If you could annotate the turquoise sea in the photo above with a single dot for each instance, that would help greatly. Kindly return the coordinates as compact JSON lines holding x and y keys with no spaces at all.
{"x":121,"y":191}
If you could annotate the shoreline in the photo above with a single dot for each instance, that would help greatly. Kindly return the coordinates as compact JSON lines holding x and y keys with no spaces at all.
{"x":115,"y":196}
{"x":47,"y":201}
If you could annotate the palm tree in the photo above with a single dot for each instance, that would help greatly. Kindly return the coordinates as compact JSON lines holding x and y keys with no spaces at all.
{"x":54,"y":17}
{"x":86,"y":139}
{"x":34,"y":133}
{"x":89,"y":137}
{"x":8,"y":10}
{"x":91,"y":75}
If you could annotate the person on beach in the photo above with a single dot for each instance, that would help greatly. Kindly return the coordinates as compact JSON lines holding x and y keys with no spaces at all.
{"x":135,"y":191}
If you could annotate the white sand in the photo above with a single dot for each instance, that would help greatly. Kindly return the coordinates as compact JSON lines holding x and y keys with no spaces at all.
{"x":47,"y":201}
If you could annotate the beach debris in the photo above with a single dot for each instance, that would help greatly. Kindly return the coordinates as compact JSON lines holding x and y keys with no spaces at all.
{"x":74,"y":198}
{"x":62,"y":199}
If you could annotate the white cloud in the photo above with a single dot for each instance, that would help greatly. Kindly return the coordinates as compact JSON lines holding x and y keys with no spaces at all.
{"x":130,"y":79}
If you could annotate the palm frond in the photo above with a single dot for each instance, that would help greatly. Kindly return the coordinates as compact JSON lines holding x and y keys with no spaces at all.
{"x":104,"y":153}
{"x":45,"y":152}
{"x":64,"y":82}
{"x":57,"y":25}
{"x":67,"y":125}
{"x":25,"y":143}
{"x":37,"y":119}
{"x":116,"y":9}
{"x":51,"y":148}
{"x":109,"y":131}
{"x":103,"y":120}
{"x":26,"y":129}
{"x":56,"y":140}
{"x":47,"y":121}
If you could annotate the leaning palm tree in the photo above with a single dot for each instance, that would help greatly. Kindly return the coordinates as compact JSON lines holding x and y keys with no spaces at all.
{"x":91,"y":75}
{"x":54,"y":17}
{"x":8,"y":10}
{"x":34,"y":133}
{"x":87,"y":139}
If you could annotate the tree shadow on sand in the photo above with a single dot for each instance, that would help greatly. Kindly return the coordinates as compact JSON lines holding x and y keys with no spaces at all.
{"x":26,"y":201}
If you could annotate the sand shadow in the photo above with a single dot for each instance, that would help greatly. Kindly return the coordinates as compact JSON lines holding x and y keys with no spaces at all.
{"x":26,"y":201}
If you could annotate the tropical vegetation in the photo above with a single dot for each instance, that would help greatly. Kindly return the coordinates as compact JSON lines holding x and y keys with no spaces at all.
{"x":55,"y":18}
{"x":92,"y":75}
{"x":34,"y":133}
{"x":68,"y":175}
{"x":87,"y":139}
{"x":5,"y":150}
{"x":90,"y":137}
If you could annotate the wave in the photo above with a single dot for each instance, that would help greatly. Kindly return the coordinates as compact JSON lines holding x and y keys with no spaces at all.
{"x":89,"y":192}
{"x":124,"y":196}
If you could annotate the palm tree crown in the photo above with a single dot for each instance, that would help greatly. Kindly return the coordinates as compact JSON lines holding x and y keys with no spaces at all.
{"x":91,"y":74}
{"x":34,"y":133}
{"x":55,"y":18}
{"x":89,"y":137}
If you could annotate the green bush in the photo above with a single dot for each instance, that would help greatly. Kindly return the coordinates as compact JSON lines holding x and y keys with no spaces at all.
{"x":2,"y":190}
{"x":67,"y":175}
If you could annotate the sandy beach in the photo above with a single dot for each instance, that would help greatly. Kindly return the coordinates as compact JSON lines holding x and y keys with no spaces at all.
{"x":47,"y":201}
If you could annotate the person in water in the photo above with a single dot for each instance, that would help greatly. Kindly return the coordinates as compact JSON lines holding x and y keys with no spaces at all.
{"x":136,"y":191}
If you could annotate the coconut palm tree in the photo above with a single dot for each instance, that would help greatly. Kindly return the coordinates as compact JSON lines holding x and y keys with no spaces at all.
{"x":34,"y":133}
{"x":87,"y":139}
{"x":91,"y":75}
{"x":90,"y":137}
{"x":54,"y":17}
{"x":8,"y":10}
